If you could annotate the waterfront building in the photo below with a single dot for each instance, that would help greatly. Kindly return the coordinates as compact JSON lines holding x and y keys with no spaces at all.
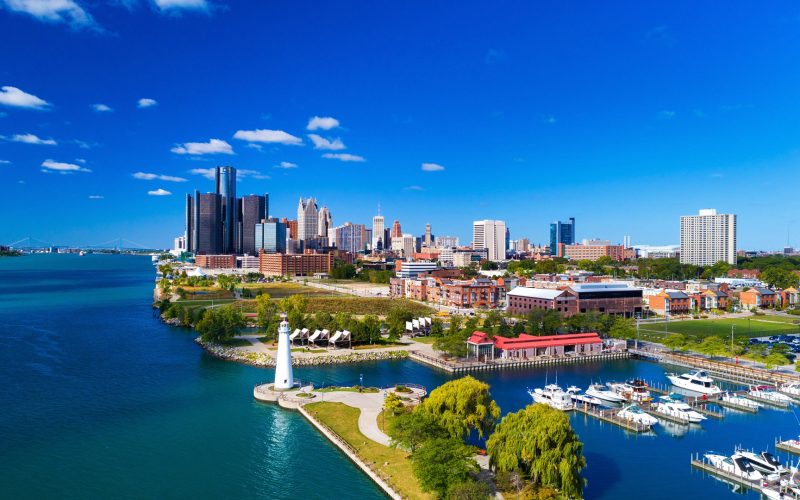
{"x":491,"y":235}
{"x":225,"y":183}
{"x":378,"y":241}
{"x":708,"y":238}
{"x":608,"y":298}
{"x":207,"y":224}
{"x":221,"y":261}
{"x":254,"y":210}
{"x":528,"y":347}
{"x":670,"y":302}
{"x":479,"y":292}
{"x":277,"y":264}
{"x":270,"y":236}
{"x":561,"y":233}
{"x":307,"y":219}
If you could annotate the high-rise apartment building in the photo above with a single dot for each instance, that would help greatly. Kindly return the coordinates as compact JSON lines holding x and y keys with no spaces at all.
{"x":253,"y":211}
{"x":324,"y":223}
{"x":446,"y":241}
{"x":307,"y":219}
{"x":708,"y":238}
{"x":561,"y":233}
{"x":270,"y":236}
{"x":348,"y":237}
{"x":378,"y":242}
{"x":225,"y":183}
{"x":491,"y":235}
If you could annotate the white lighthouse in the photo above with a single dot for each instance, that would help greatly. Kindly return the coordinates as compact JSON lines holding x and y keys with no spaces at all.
{"x":283,"y":360}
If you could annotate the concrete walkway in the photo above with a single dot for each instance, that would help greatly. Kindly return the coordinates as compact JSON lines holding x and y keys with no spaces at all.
{"x":370,"y":405}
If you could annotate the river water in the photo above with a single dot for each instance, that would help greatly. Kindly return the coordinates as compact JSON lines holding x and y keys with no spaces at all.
{"x":99,"y":399}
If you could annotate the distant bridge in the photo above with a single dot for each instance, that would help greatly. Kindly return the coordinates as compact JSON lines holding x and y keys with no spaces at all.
{"x":119,"y":244}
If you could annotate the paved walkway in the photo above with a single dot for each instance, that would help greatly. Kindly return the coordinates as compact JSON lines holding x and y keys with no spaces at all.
{"x":370,"y":405}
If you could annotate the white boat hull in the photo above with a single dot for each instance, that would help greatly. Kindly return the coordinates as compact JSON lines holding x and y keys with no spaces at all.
{"x":684,"y":384}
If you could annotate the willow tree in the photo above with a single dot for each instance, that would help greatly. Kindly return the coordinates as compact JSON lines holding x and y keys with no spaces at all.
{"x":460,"y":406}
{"x":539,"y":442}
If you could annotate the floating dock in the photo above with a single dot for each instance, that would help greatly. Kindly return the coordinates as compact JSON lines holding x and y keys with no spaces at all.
{"x":610,"y":415}
{"x":784,"y":446}
{"x":770,"y":402}
{"x":727,"y":476}
{"x":736,"y":406}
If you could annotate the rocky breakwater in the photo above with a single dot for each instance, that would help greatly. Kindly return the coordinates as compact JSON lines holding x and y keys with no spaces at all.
{"x":261,"y":359}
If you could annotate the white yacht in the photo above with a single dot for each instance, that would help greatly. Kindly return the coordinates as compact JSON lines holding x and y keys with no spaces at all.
{"x":764,"y":462}
{"x":553,"y":396}
{"x":632,"y":390}
{"x":735,"y":464}
{"x":575,"y":394}
{"x":765,"y":392}
{"x":636,"y":414}
{"x":731,"y":397}
{"x":603,"y":393}
{"x":792,"y":388}
{"x":696,"y":381}
{"x":678,"y":409}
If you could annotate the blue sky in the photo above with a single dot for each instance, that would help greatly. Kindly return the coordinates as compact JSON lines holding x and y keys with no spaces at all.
{"x":623,"y":116}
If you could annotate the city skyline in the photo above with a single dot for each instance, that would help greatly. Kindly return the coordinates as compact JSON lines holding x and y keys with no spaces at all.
{"x":527,"y":123}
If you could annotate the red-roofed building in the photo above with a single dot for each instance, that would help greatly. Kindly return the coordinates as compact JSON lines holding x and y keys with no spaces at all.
{"x":484,"y":347}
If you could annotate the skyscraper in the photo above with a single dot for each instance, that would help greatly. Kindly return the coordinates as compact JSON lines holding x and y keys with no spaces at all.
{"x":208,"y":237}
{"x":397,"y":231}
{"x":324,"y":223}
{"x":561,"y":232}
{"x":377,"y":233}
{"x":307,"y":219}
{"x":491,"y":235}
{"x":270,"y":236}
{"x":189,"y":223}
{"x":708,"y":238}
{"x":348,"y":237}
{"x":225,"y":182}
{"x":428,"y":238}
{"x":253,"y":211}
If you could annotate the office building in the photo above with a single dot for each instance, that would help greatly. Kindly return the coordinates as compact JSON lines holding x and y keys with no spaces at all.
{"x":207,"y":224}
{"x":224,"y":261}
{"x":279,"y":264}
{"x":446,"y":241}
{"x":491,"y":235}
{"x":427,"y":240}
{"x":397,"y":231}
{"x":561,"y":233}
{"x":307,"y":219}
{"x":270,"y":236}
{"x":225,"y":183}
{"x":348,"y":237}
{"x":324,"y":223}
{"x":254,"y":210}
{"x":291,"y":228}
{"x":378,"y":241}
{"x":188,"y":222}
{"x":708,"y":238}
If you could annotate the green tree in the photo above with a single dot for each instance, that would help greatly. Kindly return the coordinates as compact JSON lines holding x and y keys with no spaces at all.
{"x":622,"y":329}
{"x":780,"y":277}
{"x":220,"y":324}
{"x":713,"y":346}
{"x":409,"y":430}
{"x":437,"y":328}
{"x":675,"y":341}
{"x":469,"y":490}
{"x":393,"y":404}
{"x":266,"y":310}
{"x":442,"y":463}
{"x":460,"y":406}
{"x":539,"y":442}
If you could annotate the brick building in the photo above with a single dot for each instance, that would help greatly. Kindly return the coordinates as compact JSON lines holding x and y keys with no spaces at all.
{"x":758,"y":297}
{"x":215,"y":261}
{"x":672,"y":302}
{"x":278,"y":264}
{"x":607,"y":298}
{"x":480,"y":292}
{"x":594,"y":252}
{"x":485,"y":348}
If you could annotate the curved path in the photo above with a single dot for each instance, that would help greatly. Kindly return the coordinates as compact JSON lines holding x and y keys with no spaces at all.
{"x":370,"y":405}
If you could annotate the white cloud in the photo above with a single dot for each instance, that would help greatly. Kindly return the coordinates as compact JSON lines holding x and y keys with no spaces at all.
{"x":208,"y":173}
{"x":257,"y":147}
{"x":96,"y":196}
{"x":151,"y":177}
{"x":255,"y":174}
{"x":101,"y":108}
{"x":145,"y":102}
{"x":213,"y":146}
{"x":80,"y":160}
{"x":322,"y":123}
{"x":414,"y":188}
{"x":432,"y":167}
{"x":54,"y":11}
{"x":12,"y":96}
{"x":33,"y":139}
{"x":5,"y":162}
{"x":323,"y":143}
{"x":181,"y":4}
{"x":159,"y":192}
{"x":666,"y":114}
{"x":286,"y":165}
{"x":268,"y":136}
{"x":343,"y":157}
{"x":56,"y":166}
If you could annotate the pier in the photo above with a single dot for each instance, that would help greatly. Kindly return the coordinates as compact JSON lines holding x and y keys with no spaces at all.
{"x":784,"y":445}
{"x":736,"y":406}
{"x":706,"y":467}
{"x":610,"y":415}
{"x":770,"y":402}
{"x":454,"y":366}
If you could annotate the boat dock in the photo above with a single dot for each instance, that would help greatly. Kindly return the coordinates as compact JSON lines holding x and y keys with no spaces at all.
{"x":698,"y":404}
{"x":783,"y":445}
{"x":700,"y":463}
{"x":610,"y":415}
{"x":736,"y":406}
{"x":454,"y":366}
{"x":765,"y":401}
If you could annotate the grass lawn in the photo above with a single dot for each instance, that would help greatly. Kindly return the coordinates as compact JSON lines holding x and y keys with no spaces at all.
{"x":235,"y":342}
{"x":348,"y":389}
{"x":425,"y":340}
{"x":343,"y":420}
{"x":754,"y":326}
{"x":364,"y":305}
{"x":281,"y":290}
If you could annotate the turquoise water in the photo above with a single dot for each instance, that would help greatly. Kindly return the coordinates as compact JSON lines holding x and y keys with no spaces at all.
{"x":99,"y":399}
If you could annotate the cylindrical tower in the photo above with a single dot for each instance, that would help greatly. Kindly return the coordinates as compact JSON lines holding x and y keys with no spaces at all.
{"x":283,"y":359}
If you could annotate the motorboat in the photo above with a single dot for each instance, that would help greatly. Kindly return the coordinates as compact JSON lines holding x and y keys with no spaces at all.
{"x":605,"y":394}
{"x":632,"y":390}
{"x":792,"y":388}
{"x":735,"y":464}
{"x":575,"y":394}
{"x":552,"y":395}
{"x":764,"y":462}
{"x":769,"y":394}
{"x":733,"y":398}
{"x":678,"y":409}
{"x":695,"y":381}
{"x":636,"y":414}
